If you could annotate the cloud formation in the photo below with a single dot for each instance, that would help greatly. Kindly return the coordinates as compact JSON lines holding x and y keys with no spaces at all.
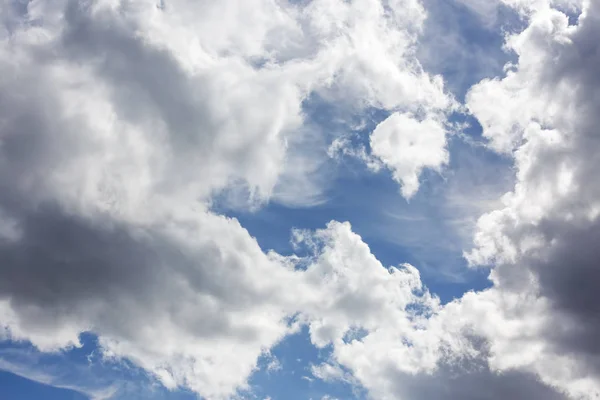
{"x":119,"y":123}
{"x":122,"y":121}
{"x":541,"y":241}
{"x":407,"y":146}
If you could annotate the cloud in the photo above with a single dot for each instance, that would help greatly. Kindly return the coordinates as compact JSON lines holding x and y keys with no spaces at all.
{"x":380,"y":70}
{"x":473,"y":380}
{"x":177,"y":314}
{"x":121,"y":122}
{"x":407,"y":146}
{"x":390,"y":335}
{"x":541,"y":239}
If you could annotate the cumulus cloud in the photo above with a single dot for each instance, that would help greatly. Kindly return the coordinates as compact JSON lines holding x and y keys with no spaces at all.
{"x":389,"y":334}
{"x":532,"y":334}
{"x":121,"y":121}
{"x":407,"y":146}
{"x":541,"y":240}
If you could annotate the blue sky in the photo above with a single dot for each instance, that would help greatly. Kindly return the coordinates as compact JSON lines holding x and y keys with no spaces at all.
{"x":173,"y":197}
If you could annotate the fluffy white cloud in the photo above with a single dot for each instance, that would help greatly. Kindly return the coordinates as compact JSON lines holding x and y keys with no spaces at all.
{"x":378,"y":67}
{"x":407,"y":146}
{"x":120,"y":121}
{"x":390,"y":335}
{"x":354,"y":291}
{"x":536,"y":326}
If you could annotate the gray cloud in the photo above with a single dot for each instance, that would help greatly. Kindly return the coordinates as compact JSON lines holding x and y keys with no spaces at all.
{"x":568,"y":269}
{"x":544,"y":241}
{"x":472,"y":379}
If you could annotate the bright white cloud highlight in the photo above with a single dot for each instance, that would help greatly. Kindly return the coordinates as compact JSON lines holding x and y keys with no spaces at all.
{"x":407,"y":146}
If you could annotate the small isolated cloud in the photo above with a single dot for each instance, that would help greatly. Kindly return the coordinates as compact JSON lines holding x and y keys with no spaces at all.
{"x":408,"y":145}
{"x":274,"y":365}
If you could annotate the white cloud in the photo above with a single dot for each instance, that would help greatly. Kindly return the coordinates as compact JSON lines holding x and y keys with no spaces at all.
{"x":274,"y":364}
{"x":408,"y":145}
{"x":391,"y":336}
{"x":119,"y":122}
{"x":534,"y":327}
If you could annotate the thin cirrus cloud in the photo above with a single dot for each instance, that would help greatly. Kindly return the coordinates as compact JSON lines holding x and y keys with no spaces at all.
{"x":123,"y":122}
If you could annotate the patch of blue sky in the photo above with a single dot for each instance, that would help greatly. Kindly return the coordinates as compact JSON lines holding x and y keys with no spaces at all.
{"x":15,"y":387}
{"x":75,"y":373}
{"x":292,"y":378}
{"x":465,"y":47}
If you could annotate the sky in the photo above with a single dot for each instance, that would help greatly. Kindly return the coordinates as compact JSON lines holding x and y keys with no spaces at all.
{"x":299,"y":199}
